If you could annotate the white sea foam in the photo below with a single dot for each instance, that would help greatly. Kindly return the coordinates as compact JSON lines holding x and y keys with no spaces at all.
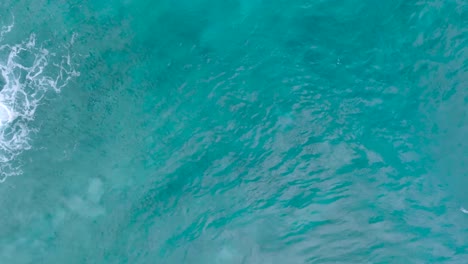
{"x":28,"y":71}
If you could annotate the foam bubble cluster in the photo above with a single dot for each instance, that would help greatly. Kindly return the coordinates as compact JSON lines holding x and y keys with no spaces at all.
{"x":28,"y":71}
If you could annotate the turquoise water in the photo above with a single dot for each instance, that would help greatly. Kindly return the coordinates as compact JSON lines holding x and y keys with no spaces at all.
{"x":245,"y":131}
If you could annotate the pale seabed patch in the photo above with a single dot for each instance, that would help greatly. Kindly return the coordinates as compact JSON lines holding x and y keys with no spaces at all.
{"x":28,"y":71}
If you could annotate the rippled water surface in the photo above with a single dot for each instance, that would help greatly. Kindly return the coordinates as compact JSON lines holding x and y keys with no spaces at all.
{"x":238,"y":131}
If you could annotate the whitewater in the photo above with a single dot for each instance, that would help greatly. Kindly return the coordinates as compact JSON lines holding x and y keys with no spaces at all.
{"x":27,"y":75}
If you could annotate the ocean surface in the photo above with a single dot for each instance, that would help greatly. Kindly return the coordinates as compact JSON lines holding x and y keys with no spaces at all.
{"x":233,"y":132}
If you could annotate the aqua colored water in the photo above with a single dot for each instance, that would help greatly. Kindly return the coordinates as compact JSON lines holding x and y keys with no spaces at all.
{"x":239,"y":131}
